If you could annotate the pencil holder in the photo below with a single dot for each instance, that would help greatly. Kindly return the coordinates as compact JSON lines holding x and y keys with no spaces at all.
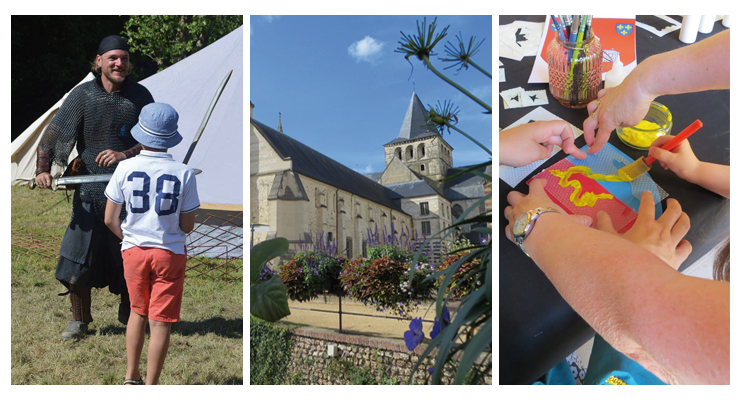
{"x":575,"y":71}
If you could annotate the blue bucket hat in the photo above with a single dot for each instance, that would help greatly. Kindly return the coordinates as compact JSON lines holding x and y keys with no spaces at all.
{"x":157,"y":126}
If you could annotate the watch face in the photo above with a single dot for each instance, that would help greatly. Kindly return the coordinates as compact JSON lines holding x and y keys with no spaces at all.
{"x":520,"y":224}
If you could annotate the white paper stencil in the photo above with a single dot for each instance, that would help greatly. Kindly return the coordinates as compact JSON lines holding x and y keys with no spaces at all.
{"x":534,"y":98}
{"x":518,"y":97}
{"x":520,"y":39}
{"x":512,"y":98}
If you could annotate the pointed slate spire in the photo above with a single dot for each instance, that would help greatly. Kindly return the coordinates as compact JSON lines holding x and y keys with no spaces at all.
{"x":414,"y":125}
{"x":280,"y":127}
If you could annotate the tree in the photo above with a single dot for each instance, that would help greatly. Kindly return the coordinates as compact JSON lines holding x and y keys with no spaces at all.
{"x":167,"y":39}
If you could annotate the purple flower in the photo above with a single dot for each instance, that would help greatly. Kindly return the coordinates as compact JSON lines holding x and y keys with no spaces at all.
{"x":437,"y":328}
{"x":415,"y":335}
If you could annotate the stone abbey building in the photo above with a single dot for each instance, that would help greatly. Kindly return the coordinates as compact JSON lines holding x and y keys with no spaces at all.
{"x":298,"y":193}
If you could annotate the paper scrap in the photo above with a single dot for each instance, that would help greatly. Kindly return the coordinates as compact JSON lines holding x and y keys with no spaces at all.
{"x":502,"y":74}
{"x":512,"y":98}
{"x":520,"y":39}
{"x":518,"y":97}
{"x":534,"y":98}
{"x":672,"y":27}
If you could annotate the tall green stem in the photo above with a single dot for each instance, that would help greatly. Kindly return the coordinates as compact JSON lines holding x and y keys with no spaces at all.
{"x":454,"y":84}
{"x":480,"y":69}
{"x":470,"y":138}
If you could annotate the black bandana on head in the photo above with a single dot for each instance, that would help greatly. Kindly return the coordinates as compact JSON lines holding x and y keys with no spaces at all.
{"x":113,"y":42}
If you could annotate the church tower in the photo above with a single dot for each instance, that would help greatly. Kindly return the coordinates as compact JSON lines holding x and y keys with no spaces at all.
{"x":418,"y":145}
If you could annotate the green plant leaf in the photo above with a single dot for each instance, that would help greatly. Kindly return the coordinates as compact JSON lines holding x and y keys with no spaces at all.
{"x":487,"y":262}
{"x":452,"y":330}
{"x":474,"y":347}
{"x":263,"y":252}
{"x":269,"y":300}
{"x":468,"y":170}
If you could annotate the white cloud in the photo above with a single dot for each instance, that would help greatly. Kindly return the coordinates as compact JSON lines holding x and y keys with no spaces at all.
{"x":367,"y":49}
{"x":369,"y":169}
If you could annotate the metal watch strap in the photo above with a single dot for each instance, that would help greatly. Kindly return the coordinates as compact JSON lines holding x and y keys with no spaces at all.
{"x":533,"y":216}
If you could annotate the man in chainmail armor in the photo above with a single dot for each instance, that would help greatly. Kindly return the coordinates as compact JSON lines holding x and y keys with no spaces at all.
{"x":96,"y":118}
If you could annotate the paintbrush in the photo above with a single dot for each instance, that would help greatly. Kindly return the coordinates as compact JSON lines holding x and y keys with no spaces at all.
{"x":640,"y":166}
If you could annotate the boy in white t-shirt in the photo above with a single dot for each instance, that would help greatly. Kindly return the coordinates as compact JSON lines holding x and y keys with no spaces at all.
{"x":160,"y":197}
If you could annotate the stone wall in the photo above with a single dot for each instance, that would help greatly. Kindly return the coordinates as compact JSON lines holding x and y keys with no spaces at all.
{"x":381,"y":357}
{"x":388,"y":357}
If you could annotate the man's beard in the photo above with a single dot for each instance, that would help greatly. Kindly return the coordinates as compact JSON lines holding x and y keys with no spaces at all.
{"x":116,"y":78}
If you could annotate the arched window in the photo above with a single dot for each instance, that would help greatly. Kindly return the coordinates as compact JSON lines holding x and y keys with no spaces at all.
{"x":408,"y":154}
{"x":456,"y":211}
{"x":421,"y":151}
{"x":398,"y":153}
{"x":422,"y":167}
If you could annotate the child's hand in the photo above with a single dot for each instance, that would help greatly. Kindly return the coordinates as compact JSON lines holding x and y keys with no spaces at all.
{"x":663,"y":237}
{"x":534,"y":141}
{"x":681,"y":160}
{"x":107,"y":158}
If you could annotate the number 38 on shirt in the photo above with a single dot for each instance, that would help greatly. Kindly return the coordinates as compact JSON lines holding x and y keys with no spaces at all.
{"x":165,"y":202}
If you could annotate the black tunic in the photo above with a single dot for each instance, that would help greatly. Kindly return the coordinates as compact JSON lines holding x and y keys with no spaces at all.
{"x":93,"y":120}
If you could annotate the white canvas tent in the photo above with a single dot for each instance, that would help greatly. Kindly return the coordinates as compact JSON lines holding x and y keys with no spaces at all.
{"x":23,"y":148}
{"x":189,"y":86}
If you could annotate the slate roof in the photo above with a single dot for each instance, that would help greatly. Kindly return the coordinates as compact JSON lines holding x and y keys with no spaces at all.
{"x":414,"y":125}
{"x":467,"y":186}
{"x":315,"y":165}
{"x":374,"y":176}
{"x":411,"y":189}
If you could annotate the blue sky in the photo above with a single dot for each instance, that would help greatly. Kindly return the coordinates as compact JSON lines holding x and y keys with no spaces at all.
{"x":342,"y":90}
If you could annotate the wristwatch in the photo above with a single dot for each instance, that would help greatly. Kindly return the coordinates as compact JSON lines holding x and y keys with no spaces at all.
{"x":525,"y":222}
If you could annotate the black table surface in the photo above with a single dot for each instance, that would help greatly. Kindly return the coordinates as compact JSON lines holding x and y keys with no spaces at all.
{"x":537,"y":327}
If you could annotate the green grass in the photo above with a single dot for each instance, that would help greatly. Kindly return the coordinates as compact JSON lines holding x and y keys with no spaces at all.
{"x":205,"y":346}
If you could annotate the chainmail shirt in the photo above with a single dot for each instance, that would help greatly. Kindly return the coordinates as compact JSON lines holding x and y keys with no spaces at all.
{"x":95,"y":120}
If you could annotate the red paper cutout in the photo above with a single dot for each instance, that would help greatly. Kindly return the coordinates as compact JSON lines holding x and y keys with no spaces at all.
{"x":621,"y":215}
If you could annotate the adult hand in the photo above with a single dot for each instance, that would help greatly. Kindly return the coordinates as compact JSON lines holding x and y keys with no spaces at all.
{"x":663,"y":237}
{"x":624,"y":105}
{"x":535,"y":141}
{"x":106,"y":158}
{"x":681,"y":160}
{"x":43,"y":180}
{"x":537,"y":197}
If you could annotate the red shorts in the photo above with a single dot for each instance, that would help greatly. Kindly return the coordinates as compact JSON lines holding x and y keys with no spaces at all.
{"x":155,"y":278}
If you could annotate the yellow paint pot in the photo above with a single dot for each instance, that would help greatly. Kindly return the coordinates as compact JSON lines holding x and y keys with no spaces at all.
{"x":656,"y":123}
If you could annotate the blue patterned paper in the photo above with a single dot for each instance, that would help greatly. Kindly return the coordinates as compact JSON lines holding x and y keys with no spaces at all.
{"x":607,"y":162}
